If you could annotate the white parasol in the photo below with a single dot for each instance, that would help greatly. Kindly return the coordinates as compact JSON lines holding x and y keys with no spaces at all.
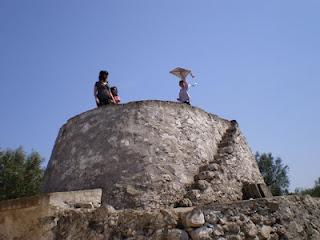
{"x":181,"y":73}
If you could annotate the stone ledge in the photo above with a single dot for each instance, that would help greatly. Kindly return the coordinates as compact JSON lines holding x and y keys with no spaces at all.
{"x":55,"y":199}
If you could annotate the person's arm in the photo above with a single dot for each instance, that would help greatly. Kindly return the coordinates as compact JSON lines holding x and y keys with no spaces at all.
{"x":112,"y":97}
{"x":190,"y":84}
{"x":95,"y":94}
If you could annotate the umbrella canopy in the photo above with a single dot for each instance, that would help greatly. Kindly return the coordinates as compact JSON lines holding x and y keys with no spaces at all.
{"x":181,"y":72}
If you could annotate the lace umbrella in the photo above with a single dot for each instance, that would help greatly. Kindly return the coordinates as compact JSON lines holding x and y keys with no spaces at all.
{"x":181,"y":73}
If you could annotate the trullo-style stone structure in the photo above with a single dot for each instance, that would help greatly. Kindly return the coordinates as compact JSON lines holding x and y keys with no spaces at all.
{"x":152,"y":153}
{"x":164,"y":171}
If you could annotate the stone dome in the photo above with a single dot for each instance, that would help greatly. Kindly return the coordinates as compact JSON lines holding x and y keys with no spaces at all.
{"x":152,"y":153}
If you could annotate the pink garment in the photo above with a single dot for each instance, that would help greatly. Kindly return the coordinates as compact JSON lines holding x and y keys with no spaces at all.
{"x":117,"y":99}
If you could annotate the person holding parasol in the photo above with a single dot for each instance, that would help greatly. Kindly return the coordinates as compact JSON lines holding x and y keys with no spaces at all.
{"x":182,"y":73}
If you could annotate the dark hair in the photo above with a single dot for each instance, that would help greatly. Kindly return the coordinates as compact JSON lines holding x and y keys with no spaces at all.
{"x":103,"y":73}
{"x":114,"y":91}
{"x":181,"y":81}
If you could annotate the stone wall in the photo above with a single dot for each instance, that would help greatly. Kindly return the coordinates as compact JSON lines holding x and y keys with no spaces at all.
{"x":150,"y":154}
{"x":277,"y":218}
{"x":35,"y":217}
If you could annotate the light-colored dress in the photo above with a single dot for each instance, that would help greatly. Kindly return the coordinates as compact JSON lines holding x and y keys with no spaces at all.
{"x":184,"y":95}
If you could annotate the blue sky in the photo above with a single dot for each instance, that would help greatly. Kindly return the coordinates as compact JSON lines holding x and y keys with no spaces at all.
{"x":255,"y":61}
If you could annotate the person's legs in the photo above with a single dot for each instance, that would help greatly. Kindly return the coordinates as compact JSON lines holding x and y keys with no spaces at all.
{"x":187,"y":102}
{"x":104,"y":101}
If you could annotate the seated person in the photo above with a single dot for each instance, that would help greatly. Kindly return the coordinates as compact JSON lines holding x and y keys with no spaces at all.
{"x":101,"y":91}
{"x":114,"y":92}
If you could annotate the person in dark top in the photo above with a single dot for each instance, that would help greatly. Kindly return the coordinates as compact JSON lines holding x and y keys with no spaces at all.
{"x":101,"y":90}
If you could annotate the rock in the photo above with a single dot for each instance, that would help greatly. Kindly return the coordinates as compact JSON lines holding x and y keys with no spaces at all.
{"x":202,"y":184}
{"x":265,"y":232}
{"x":185,"y":202}
{"x":213,"y":167}
{"x":250,"y":230}
{"x":256,"y":218}
{"x":183,"y":235}
{"x":279,"y":229}
{"x":223,"y":220}
{"x":269,"y":221}
{"x":167,"y":177}
{"x":109,"y":209}
{"x":211,"y":216}
{"x":195,"y":218}
{"x":233,"y":237}
{"x":194,"y":194}
{"x":206,"y":175}
{"x":172,"y":234}
{"x":131,"y":190}
{"x":244,"y":218}
{"x":274,"y":236}
{"x":231,"y":227}
{"x":228,"y":150}
{"x":218,"y":230}
{"x":169,"y":217}
{"x":315,"y":235}
{"x":234,"y":218}
{"x":202,"y":233}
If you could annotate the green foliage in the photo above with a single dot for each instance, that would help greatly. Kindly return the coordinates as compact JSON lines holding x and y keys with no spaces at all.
{"x":314,"y":192}
{"x":20,"y":174}
{"x":274,"y":172}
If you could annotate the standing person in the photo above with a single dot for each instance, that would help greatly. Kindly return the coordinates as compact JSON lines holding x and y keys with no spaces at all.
{"x":183,"y":73}
{"x":101,"y":90}
{"x":183,"y":94}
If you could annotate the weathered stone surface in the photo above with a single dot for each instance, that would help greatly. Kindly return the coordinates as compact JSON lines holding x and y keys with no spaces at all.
{"x":148,"y":158}
{"x":202,"y":233}
{"x":232,"y":227}
{"x":195,"y":218}
{"x":147,"y":154}
{"x":172,"y":234}
{"x":35,"y":220}
{"x":35,"y":217}
{"x":250,"y":230}
{"x":203,"y":184}
{"x":185,"y":202}
{"x":233,"y":237}
{"x":218,"y":231}
{"x":211,"y":217}
{"x":265,"y":232}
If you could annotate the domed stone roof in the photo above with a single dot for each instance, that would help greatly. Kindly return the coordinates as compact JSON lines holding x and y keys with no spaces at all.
{"x":152,"y":153}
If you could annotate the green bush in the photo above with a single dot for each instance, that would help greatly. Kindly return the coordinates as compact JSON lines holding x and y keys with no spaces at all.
{"x":20,"y":174}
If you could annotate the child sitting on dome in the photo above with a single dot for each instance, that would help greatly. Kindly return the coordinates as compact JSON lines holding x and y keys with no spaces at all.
{"x":114,"y":92}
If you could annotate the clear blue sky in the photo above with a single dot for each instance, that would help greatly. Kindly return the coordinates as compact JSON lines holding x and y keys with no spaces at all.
{"x":255,"y":61}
